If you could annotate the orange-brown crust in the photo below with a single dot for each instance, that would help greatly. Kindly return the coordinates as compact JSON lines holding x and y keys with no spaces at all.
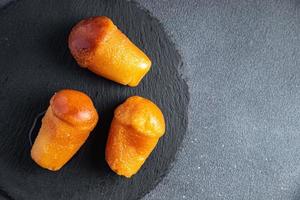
{"x":66,"y":125}
{"x":74,"y":107}
{"x":135,"y":130}
{"x":97,"y":44}
{"x":87,"y":35}
{"x":142,"y":115}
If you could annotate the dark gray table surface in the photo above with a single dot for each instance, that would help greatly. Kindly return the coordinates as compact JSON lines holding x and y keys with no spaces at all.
{"x":242,"y":67}
{"x":242,"y":64}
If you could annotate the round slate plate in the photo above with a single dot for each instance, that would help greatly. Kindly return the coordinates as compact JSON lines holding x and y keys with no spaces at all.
{"x":35,"y":62}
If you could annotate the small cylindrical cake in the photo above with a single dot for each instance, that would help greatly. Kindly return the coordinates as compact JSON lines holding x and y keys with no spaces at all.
{"x":66,"y":125}
{"x":135,"y":130}
{"x":97,"y":44}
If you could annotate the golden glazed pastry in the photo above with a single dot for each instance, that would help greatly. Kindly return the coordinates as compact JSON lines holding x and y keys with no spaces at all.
{"x":135,"y":130}
{"x":97,"y":44}
{"x":66,"y":125}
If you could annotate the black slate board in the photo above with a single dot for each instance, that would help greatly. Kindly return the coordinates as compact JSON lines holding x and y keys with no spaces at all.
{"x":35,"y":62}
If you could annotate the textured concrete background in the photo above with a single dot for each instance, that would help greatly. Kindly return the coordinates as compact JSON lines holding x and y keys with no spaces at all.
{"x":242,"y":65}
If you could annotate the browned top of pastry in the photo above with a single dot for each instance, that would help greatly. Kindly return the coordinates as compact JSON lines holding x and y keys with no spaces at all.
{"x":75,"y":108}
{"x":142,"y":115}
{"x":87,"y":35}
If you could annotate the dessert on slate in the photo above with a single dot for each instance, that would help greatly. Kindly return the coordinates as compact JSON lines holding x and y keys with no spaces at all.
{"x":66,"y":125}
{"x":97,"y":44}
{"x":135,"y":130}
